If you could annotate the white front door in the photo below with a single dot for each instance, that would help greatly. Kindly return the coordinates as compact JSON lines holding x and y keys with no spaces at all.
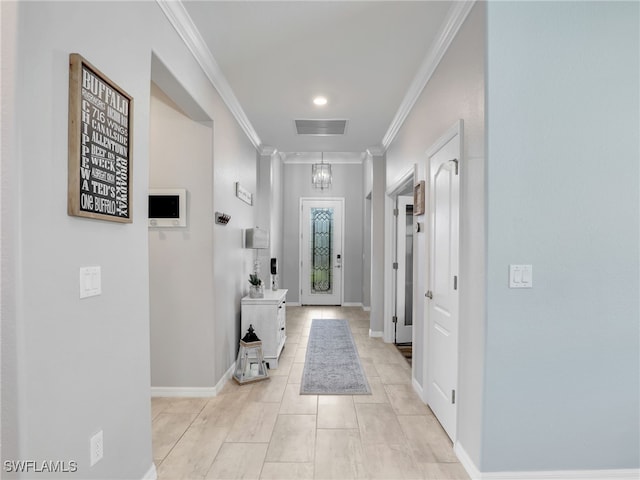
{"x":442,"y":297}
{"x":404,"y":272}
{"x":322,"y":261}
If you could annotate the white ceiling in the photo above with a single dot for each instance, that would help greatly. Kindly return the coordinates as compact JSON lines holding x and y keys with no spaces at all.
{"x":362,"y":55}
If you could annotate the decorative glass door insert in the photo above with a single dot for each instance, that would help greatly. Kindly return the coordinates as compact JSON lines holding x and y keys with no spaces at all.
{"x":321,"y":225}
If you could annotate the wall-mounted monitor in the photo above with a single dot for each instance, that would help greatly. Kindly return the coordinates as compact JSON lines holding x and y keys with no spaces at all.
{"x":167,"y":207}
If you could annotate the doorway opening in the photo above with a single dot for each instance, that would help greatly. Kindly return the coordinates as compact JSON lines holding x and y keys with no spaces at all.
{"x":401,"y":271}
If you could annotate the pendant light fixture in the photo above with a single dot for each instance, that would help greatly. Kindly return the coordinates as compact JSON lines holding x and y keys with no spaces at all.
{"x":321,"y":174}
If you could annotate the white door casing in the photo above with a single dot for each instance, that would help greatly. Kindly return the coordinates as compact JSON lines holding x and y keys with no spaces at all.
{"x":442,"y":297}
{"x":321,"y":284}
{"x":403,"y":330}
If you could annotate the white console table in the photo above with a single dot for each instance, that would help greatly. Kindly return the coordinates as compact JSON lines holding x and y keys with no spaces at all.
{"x":269,"y":319}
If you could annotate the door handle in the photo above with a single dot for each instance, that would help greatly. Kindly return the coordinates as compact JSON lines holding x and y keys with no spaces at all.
{"x":429,"y":295}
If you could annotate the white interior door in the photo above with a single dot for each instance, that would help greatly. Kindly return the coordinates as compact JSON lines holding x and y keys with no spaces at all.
{"x":321,"y":265}
{"x":442,"y":297}
{"x":404,"y":272}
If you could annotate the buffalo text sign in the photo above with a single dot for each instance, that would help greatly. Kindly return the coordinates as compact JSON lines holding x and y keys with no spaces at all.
{"x":100,"y":120}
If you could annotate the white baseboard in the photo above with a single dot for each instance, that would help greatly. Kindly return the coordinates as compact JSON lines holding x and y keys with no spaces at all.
{"x":345,"y":304}
{"x":622,"y":474}
{"x":151,"y":474}
{"x":475,"y":474}
{"x":194,"y":391}
{"x":466,"y":461}
{"x":374,"y":334}
{"x":418,"y":389}
{"x":183,"y":391}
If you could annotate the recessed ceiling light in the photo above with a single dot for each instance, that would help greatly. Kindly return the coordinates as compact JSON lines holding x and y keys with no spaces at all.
{"x":320,"y":101}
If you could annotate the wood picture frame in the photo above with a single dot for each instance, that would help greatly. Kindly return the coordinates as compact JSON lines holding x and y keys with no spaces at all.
{"x":243,"y":194}
{"x":100,"y":145}
{"x":418,"y":198}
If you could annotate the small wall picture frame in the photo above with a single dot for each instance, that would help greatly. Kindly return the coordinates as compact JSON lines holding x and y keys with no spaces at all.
{"x":418,"y":198}
{"x":243,"y":194}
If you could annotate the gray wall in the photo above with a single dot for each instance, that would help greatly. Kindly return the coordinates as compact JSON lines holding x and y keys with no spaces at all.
{"x":376,"y":317}
{"x":9,"y":238}
{"x":270,"y":205}
{"x":347,"y":183}
{"x":77,"y":366}
{"x":181,"y":259}
{"x":562,"y":370}
{"x":277,"y":211}
{"x":455,"y":91}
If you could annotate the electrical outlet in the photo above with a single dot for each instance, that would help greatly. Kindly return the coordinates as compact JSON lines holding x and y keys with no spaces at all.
{"x":96,"y":446}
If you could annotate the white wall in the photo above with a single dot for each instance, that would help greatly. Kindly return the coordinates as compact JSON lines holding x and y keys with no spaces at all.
{"x":455,"y":91}
{"x":562,"y":371}
{"x":83,"y":365}
{"x":347,"y":183}
{"x":181,"y":259}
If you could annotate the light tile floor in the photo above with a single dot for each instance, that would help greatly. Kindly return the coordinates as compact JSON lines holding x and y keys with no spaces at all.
{"x":266,"y":430}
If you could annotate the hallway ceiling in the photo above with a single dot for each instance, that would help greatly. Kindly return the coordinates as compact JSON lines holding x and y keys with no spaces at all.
{"x":277,"y":56}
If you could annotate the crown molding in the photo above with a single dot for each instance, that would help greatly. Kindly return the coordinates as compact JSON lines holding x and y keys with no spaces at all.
{"x":177,"y":15}
{"x":376,"y":151}
{"x":268,"y":150}
{"x":333,"y":158}
{"x":455,"y":18}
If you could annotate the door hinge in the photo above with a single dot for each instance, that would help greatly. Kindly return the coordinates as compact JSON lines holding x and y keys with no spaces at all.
{"x":429,"y":294}
{"x":453,"y":396}
{"x":395,"y":265}
{"x":455,"y":163}
{"x":395,"y":212}
{"x":394,"y":319}
{"x":455,"y":282}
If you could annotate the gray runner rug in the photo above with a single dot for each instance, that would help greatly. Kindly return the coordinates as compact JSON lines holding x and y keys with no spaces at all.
{"x":332,"y":365}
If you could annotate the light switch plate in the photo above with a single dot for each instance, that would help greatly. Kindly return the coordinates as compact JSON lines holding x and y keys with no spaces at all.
{"x":520,"y":276}
{"x":90,"y":281}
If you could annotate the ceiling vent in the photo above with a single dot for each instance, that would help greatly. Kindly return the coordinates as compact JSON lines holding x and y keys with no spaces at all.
{"x":321,"y":127}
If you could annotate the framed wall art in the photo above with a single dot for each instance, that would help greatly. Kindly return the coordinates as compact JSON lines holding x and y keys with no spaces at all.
{"x":243,"y":194}
{"x":100,"y":145}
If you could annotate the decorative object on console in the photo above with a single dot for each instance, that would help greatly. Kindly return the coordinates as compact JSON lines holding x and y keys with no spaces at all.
{"x":257,"y":239}
{"x":250,"y":364}
{"x":256,"y":290}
